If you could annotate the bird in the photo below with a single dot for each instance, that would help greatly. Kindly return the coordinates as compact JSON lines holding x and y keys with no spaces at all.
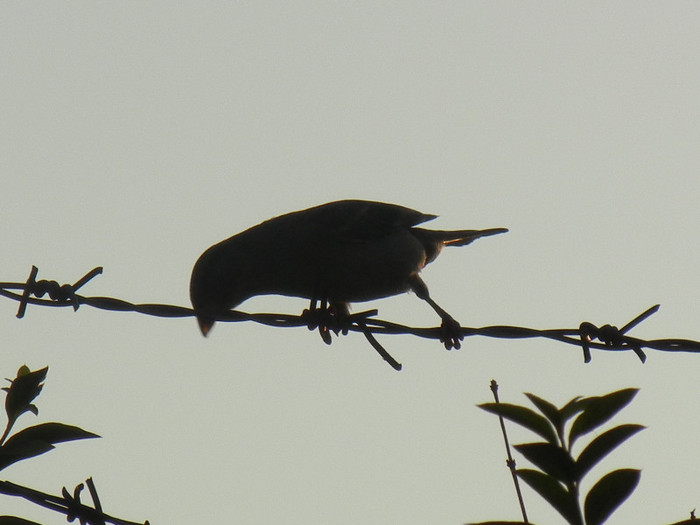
{"x":337,"y":253}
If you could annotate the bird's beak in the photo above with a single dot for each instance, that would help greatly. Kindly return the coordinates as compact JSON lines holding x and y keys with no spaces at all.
{"x":205,"y":325}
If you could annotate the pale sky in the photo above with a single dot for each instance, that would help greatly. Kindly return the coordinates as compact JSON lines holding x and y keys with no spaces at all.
{"x":137,"y":134}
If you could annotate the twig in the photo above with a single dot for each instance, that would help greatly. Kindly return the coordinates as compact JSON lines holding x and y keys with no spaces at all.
{"x":510,"y":462}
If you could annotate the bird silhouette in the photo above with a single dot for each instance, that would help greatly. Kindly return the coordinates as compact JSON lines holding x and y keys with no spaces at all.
{"x":337,"y":253}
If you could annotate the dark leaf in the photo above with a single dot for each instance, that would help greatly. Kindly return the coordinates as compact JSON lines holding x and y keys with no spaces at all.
{"x":599,"y":410}
{"x":22,"y":391}
{"x":550,"y":459}
{"x":554,"y":493}
{"x":37,"y":440}
{"x":14,"y":520}
{"x":608,"y":494}
{"x":22,"y":450}
{"x":602,"y":446}
{"x":524,"y":417}
{"x":51,"y":433}
{"x":573,"y":407}
{"x":550,"y":411}
{"x":493,"y":523}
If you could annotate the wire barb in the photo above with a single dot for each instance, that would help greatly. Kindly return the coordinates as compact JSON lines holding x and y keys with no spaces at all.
{"x":608,"y":337}
{"x":612,"y":336}
{"x":67,"y":503}
{"x":31,"y":281}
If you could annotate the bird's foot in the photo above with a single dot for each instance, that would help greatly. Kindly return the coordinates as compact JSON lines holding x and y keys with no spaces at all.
{"x":451,"y":333}
{"x":327,"y":319}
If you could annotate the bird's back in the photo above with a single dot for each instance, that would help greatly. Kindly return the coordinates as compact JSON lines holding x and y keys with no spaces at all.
{"x":348,"y":250}
{"x":356,"y":219}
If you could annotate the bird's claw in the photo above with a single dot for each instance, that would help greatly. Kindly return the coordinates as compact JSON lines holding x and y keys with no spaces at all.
{"x":325,"y":334}
{"x":451,"y":333}
{"x":327,"y":320}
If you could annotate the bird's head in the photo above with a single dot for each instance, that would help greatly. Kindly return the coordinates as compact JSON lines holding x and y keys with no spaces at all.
{"x":217,"y":285}
{"x":206,"y":296}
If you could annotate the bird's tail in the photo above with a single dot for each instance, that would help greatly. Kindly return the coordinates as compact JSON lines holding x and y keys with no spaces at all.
{"x":434,"y":240}
{"x":464,"y":237}
{"x":454,"y":237}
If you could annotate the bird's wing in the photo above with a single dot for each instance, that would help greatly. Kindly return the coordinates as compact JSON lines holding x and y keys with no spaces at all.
{"x":361,"y":221}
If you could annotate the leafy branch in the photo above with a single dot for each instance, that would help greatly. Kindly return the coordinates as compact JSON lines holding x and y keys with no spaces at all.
{"x":39,"y":439}
{"x":559,"y":472}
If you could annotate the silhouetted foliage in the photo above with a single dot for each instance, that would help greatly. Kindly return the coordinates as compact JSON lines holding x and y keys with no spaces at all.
{"x":558,"y":475}
{"x":39,"y":439}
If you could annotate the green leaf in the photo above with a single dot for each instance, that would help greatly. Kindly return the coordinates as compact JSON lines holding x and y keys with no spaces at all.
{"x":22,"y":450}
{"x":37,"y":440}
{"x":22,"y":391}
{"x":53,"y":433}
{"x":525,"y":417}
{"x":551,"y":459}
{"x":557,"y":416}
{"x":549,"y":410}
{"x":608,"y":494}
{"x":598,"y":410}
{"x":14,"y":520}
{"x":554,"y":493}
{"x":491,"y":523}
{"x":602,"y":446}
{"x":573,"y":407}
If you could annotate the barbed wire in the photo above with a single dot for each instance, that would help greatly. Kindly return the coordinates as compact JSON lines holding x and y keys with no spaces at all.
{"x":68,"y":504}
{"x":587,"y":336}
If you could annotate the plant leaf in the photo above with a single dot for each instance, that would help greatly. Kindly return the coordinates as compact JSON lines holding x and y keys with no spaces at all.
{"x":14,"y":520}
{"x":22,"y":391}
{"x":37,"y":440}
{"x":525,"y":417}
{"x":52,"y":433}
{"x":487,"y":523}
{"x":22,"y":450}
{"x":598,"y":410}
{"x":551,"y":459}
{"x":554,"y":493}
{"x":573,"y":407}
{"x":606,"y":495}
{"x":602,"y":446}
{"x":549,"y":410}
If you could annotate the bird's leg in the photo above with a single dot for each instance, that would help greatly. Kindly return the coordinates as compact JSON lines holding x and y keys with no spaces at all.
{"x":340,"y":313}
{"x":450,"y":330}
{"x":312,"y":304}
{"x":320,"y":318}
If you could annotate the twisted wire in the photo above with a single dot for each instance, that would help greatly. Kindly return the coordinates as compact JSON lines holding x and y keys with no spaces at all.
{"x":587,"y":336}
